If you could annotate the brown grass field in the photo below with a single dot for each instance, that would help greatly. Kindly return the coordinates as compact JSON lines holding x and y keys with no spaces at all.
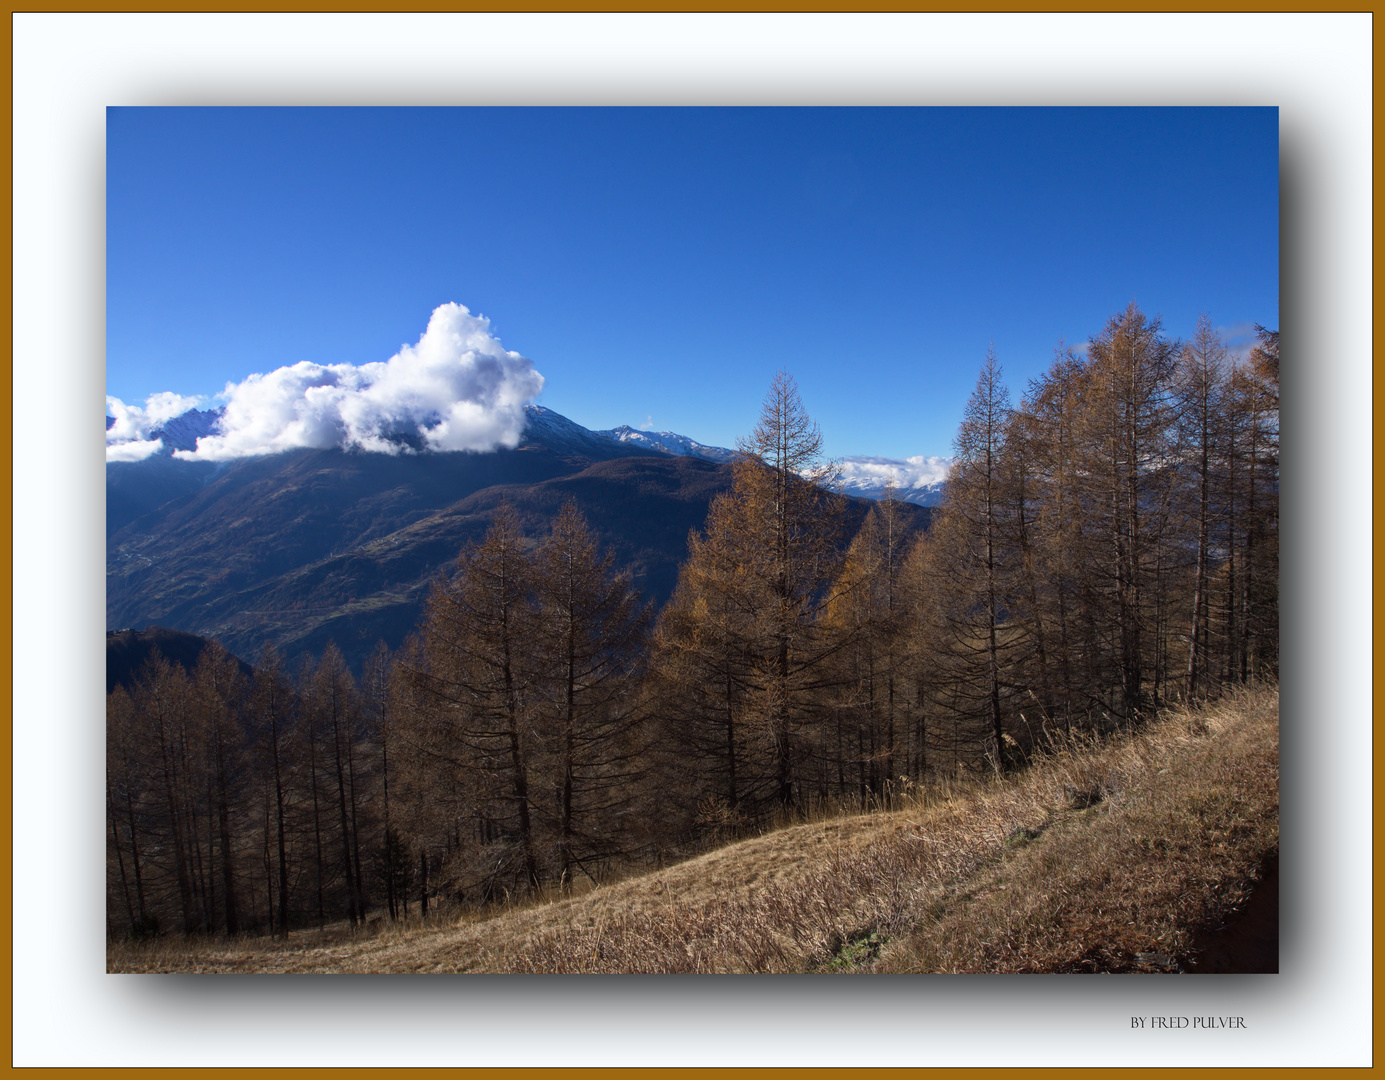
{"x":1136,"y":855}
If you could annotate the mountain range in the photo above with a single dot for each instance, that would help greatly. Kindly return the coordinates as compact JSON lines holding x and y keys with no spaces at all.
{"x":669,"y":443}
{"x":917,"y":480}
{"x":306,"y":546}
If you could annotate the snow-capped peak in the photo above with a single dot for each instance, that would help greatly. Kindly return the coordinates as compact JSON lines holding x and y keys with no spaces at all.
{"x":669,"y":442}
{"x":917,"y":479}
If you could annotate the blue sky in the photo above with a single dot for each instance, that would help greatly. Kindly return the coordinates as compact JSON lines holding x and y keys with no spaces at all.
{"x":659,"y":265}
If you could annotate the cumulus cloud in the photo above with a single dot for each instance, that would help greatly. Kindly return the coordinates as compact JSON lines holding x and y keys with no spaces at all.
{"x":456,"y":389}
{"x":648,"y":424}
{"x":910,"y":472}
{"x":135,"y":450}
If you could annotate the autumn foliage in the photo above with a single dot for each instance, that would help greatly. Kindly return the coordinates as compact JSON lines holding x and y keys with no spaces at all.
{"x":1107,"y":547}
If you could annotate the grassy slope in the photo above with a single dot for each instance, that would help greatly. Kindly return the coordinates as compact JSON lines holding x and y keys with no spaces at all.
{"x":1121,"y":858}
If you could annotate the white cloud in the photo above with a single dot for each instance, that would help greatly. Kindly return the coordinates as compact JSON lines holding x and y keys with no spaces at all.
{"x":128,"y":438}
{"x":457,"y":389}
{"x":1239,"y":339}
{"x":134,"y":422}
{"x":648,"y":424}
{"x":911,"y":472}
{"x":136,"y":450}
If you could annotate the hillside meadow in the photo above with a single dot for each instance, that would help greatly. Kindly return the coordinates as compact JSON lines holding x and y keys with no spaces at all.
{"x":1138,"y":853}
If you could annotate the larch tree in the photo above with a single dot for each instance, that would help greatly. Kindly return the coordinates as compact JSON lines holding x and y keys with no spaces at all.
{"x":1252,"y":491}
{"x":866,"y":612}
{"x":271,"y":702}
{"x":308,"y":743}
{"x":791,"y":526}
{"x":1127,"y":419}
{"x":590,"y":636}
{"x":1024,"y":483}
{"x":919,"y":652}
{"x":1060,"y":532}
{"x":1260,"y":608}
{"x":378,"y":702}
{"x":972,"y":554}
{"x":336,"y":700}
{"x":1201,"y":387}
{"x":702,"y":670}
{"x":221,"y":692}
{"x":127,"y":784}
{"x":478,"y":635}
{"x":744,"y":618}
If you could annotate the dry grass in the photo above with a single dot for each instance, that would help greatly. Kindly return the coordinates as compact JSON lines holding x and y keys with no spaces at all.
{"x":1113,"y":858}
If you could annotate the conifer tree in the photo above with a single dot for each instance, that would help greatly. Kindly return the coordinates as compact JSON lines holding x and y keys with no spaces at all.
{"x":1028,"y":601}
{"x":790,"y":525}
{"x":1202,"y":401}
{"x":128,"y":777}
{"x":271,"y":703}
{"x":308,"y":732}
{"x":476,"y":678}
{"x":163,"y":705}
{"x":974,"y":559}
{"x":378,"y":703}
{"x":220,"y":688}
{"x":336,"y":701}
{"x":1126,"y":425}
{"x":866,"y":613}
{"x":702,"y":669}
{"x":1260,"y":621}
{"x":752,"y":589}
{"x":591,"y":629}
{"x":1060,"y":533}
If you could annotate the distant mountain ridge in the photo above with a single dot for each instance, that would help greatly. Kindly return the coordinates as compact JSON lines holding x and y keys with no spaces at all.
{"x":670,"y":443}
{"x":918,"y":480}
{"x":182,"y":432}
{"x":557,"y":432}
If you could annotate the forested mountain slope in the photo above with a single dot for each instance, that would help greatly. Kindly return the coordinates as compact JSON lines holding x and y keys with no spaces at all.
{"x":300,"y":548}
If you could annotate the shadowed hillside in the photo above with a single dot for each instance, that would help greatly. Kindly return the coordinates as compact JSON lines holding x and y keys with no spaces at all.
{"x":311,"y":546}
{"x":127,"y":651}
{"x":1122,"y":857}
